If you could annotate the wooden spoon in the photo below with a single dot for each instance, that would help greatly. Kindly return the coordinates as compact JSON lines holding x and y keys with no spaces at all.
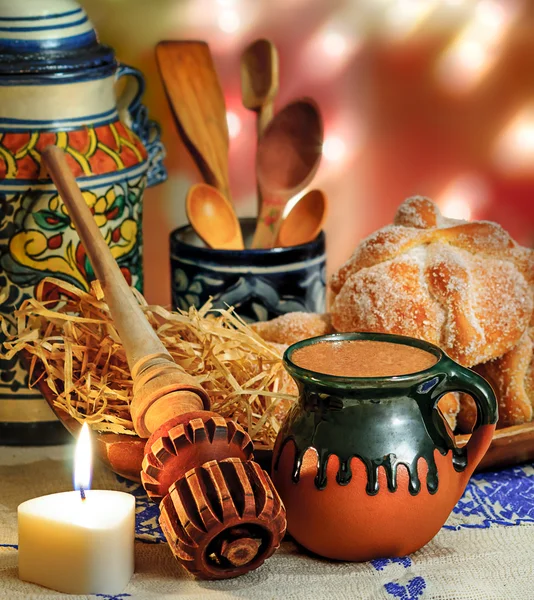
{"x":213,"y":218}
{"x":197,"y":100}
{"x":304,"y":221}
{"x":259,"y":80}
{"x":288,"y":156}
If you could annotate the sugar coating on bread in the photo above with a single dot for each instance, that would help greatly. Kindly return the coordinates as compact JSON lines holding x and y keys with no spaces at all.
{"x":420,"y":212}
{"x":462,"y":286}
{"x":512,"y":378}
{"x":293,"y":327}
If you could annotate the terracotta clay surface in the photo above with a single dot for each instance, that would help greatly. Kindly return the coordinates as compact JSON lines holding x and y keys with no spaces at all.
{"x":346,"y":523}
{"x":367,"y":467}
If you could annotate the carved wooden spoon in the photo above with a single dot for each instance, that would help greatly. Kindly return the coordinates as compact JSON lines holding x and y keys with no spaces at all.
{"x":197,"y":100}
{"x":259,"y":80}
{"x":304,"y":221}
{"x":288,"y":156}
{"x":213,"y":218}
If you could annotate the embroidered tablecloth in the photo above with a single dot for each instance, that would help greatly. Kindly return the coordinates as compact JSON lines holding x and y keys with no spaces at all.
{"x":484,"y":552}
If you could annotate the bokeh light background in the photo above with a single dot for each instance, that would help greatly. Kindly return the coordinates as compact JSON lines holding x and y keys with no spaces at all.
{"x":432,"y":97}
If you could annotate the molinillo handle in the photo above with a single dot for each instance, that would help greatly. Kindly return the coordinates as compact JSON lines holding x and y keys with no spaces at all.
{"x":220,"y":511}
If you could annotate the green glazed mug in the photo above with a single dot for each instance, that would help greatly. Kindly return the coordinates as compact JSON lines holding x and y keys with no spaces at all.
{"x":367,"y":466}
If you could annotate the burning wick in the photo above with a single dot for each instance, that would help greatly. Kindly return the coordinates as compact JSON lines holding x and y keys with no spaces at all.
{"x":82,"y":493}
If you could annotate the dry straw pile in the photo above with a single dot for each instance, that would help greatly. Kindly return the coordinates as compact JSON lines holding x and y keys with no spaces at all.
{"x":75,"y":350}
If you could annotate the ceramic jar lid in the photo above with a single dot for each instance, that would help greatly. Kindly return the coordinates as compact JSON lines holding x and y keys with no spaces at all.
{"x":49,"y":38}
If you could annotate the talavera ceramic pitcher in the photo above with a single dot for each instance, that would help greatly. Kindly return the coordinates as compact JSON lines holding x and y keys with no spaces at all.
{"x":367,"y":467}
{"x":57,"y":86}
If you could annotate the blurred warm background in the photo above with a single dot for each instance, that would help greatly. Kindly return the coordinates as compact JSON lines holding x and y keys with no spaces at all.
{"x":432,"y":97}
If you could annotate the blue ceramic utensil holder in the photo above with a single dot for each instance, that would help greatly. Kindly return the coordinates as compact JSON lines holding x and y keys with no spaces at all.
{"x":260,"y":284}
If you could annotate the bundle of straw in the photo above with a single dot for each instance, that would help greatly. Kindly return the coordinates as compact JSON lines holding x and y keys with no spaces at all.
{"x":73,"y":342}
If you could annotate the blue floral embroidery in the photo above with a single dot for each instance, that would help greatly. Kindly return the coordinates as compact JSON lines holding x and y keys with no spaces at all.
{"x":501,"y":498}
{"x":117,"y":597}
{"x":414,"y":589}
{"x":381,"y":563}
{"x":9,"y":546}
{"x":147,"y":527}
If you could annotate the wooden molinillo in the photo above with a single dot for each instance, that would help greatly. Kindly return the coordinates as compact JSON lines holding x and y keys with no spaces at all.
{"x":220,"y":512}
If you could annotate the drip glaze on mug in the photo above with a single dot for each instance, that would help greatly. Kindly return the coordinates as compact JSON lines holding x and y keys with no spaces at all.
{"x":342,"y":429}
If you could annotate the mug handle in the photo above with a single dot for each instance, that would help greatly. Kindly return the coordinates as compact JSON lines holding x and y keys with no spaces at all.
{"x":465,"y":380}
{"x":135,"y":114}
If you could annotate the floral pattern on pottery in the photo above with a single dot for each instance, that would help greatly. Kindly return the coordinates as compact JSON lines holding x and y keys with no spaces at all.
{"x":57,"y":86}
{"x":260,"y":284}
{"x":37,"y":238}
{"x":90,"y":150}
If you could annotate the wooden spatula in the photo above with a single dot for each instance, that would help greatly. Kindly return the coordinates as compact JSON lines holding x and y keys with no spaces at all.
{"x":197,"y":100}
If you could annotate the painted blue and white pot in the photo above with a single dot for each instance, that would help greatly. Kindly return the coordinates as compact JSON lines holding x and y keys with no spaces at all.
{"x":260,"y":284}
{"x":57,"y":86}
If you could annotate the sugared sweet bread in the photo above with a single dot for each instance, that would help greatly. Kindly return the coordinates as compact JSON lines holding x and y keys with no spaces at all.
{"x":293,"y":327}
{"x":465,"y":287}
{"x":512,"y":378}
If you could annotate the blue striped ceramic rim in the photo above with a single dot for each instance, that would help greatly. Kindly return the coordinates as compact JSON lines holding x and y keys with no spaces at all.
{"x":24,"y":125}
{"x":53,"y":48}
{"x":67,"y":43}
{"x":247,"y":261}
{"x":48,"y":73}
{"x":45,"y":32}
{"x":68,"y":13}
{"x":53,"y":27}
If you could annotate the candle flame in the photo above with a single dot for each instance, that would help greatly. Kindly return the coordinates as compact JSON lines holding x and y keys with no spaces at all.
{"x":82,"y":461}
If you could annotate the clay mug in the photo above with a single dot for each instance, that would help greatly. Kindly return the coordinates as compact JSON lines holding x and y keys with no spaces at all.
{"x":367,"y":466}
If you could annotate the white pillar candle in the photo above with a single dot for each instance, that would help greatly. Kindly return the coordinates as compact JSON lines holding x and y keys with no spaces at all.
{"x":79,"y":542}
{"x":78,"y":546}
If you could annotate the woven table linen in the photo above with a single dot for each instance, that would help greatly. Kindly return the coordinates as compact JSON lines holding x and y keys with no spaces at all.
{"x":484,"y":552}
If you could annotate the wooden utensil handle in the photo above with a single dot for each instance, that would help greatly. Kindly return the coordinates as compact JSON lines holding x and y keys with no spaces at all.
{"x":265,"y":116}
{"x":136,"y":333}
{"x":269,"y":220}
{"x":156,"y":377}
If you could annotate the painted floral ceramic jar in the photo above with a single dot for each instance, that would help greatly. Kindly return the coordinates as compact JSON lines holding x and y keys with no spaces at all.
{"x":366,"y":466}
{"x":58,"y":86}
